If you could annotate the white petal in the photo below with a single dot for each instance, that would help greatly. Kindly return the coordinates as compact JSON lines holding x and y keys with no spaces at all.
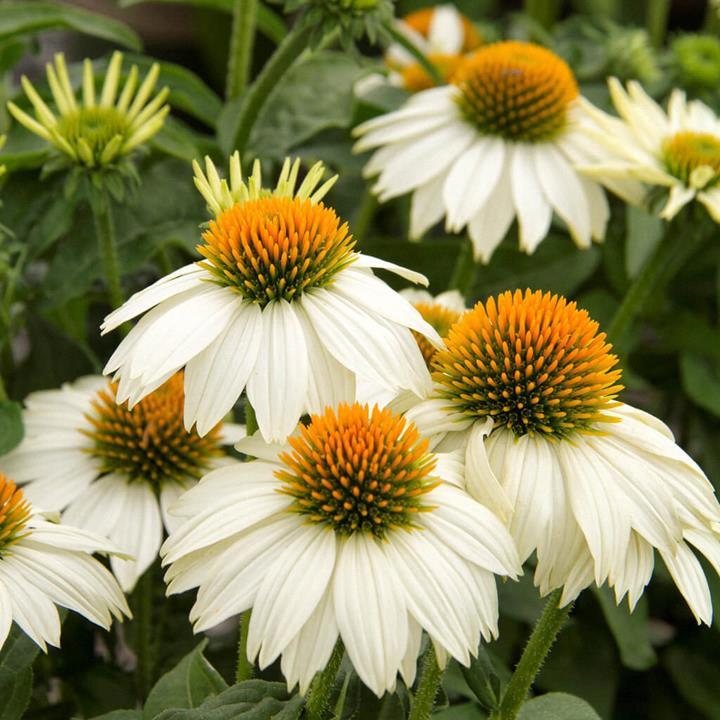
{"x":677,"y":199}
{"x":427,"y":206}
{"x":446,"y":33}
{"x":368,"y":261}
{"x":688,"y":575}
{"x":533,"y":210}
{"x":6,"y":617}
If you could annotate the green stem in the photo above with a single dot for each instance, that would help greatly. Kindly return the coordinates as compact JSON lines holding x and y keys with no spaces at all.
{"x":105,"y":229}
{"x":3,"y":391}
{"x":402,"y":39}
{"x":465,"y":268}
{"x":242,"y":39}
{"x":544,"y":12}
{"x":541,"y":640}
{"x":656,"y":20}
{"x":251,"y":425}
{"x":284,"y":56}
{"x":365,"y":214}
{"x":318,"y":699}
{"x":143,"y":634}
{"x":244,"y":669}
{"x":663,"y":264}
{"x":423,"y":701}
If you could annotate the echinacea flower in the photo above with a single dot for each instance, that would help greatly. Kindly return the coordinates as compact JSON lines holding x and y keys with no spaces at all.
{"x":677,"y":150}
{"x":442,"y":34}
{"x":44,"y":564}
{"x":352,"y":530}
{"x":527,"y":387}
{"x":283,"y":306}
{"x":95,"y":131}
{"x":111,"y":470}
{"x":500,"y":141}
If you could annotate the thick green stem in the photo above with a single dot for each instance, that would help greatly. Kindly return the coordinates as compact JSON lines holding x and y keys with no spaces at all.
{"x":242,"y":40}
{"x":665,"y":262}
{"x":544,"y":12}
{"x":402,"y":39}
{"x":3,"y":391}
{"x":244,"y":669}
{"x":318,"y":699}
{"x":656,"y":20}
{"x":142,"y":611}
{"x":541,"y":640}
{"x":105,"y":229}
{"x":284,"y":56}
{"x":465,"y":267}
{"x":423,"y":700}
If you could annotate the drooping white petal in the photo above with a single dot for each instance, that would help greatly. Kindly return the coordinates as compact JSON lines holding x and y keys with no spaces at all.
{"x":690,"y":579}
{"x":368,"y":261}
{"x":532,"y":208}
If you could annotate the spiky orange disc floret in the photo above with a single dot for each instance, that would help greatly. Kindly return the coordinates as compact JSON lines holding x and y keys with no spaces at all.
{"x":149,"y":443}
{"x":14,"y":513}
{"x":358,"y":470}
{"x":420,"y":21}
{"x":516,"y":90}
{"x":533,"y":362}
{"x":276,"y":247}
{"x":686,"y":151}
{"x":441,"y":318}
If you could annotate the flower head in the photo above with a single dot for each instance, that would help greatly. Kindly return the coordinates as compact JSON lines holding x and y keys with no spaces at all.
{"x":501,"y":140}
{"x":110,"y":469}
{"x":95,"y":132}
{"x":677,"y":151}
{"x":43,"y":564}
{"x":283,"y":305}
{"x":527,"y":388}
{"x":354,"y":529}
{"x":697,"y":61}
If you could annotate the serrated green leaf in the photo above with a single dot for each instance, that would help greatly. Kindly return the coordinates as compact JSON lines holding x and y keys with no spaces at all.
{"x":630,"y":630}
{"x":701,"y":381}
{"x":18,"y":651}
{"x":15,"y":691}
{"x":557,"y":706}
{"x":11,"y":426}
{"x":187,"y":685}
{"x":22,"y":18}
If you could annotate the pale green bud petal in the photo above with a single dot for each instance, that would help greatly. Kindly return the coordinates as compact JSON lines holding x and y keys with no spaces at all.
{"x":30,"y":123}
{"x":128,"y":90}
{"x":111,"y":150}
{"x":64,"y":79}
{"x":88,"y":84}
{"x":85,"y":152}
{"x":112,"y":78}
{"x":41,"y":109}
{"x":64,"y":105}
{"x":144,"y":92}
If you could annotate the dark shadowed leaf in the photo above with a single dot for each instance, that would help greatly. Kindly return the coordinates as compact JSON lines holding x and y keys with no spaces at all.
{"x":11,"y":426}
{"x":557,"y":706}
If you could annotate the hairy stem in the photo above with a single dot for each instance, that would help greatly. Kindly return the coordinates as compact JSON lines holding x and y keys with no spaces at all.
{"x":244,"y":669}
{"x":242,"y":39}
{"x":423,"y":700}
{"x":318,"y":699}
{"x":107,"y":243}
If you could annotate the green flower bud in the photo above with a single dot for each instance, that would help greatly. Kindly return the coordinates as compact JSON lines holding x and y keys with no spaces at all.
{"x":697,"y":60}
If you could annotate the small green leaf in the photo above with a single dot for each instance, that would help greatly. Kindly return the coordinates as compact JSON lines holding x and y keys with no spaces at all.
{"x":696,"y":678}
{"x":483,"y":679}
{"x":630,"y":630}
{"x":15,"y":691}
{"x":187,"y":685}
{"x":18,"y":652}
{"x":249,"y":700}
{"x":22,"y":18}
{"x":557,"y":706}
{"x":120,"y":715}
{"x":11,"y":426}
{"x":701,"y":381}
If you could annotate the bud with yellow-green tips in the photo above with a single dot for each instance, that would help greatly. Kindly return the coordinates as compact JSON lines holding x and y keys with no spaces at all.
{"x":95,"y":131}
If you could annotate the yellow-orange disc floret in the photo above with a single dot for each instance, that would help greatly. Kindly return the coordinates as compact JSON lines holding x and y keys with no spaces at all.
{"x":687,"y":151}
{"x":533,"y":362}
{"x":441,"y":318}
{"x":149,"y":443}
{"x":14,"y":513}
{"x":358,"y":470}
{"x":516,"y":90}
{"x":276,"y":247}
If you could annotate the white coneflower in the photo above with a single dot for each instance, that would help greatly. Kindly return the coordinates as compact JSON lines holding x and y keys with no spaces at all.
{"x":527,"y":386}
{"x":353,"y":530}
{"x":282,"y":306}
{"x":500,"y":141}
{"x":95,"y":131}
{"x":112,"y":470}
{"x":678,"y":151}
{"x":44,"y":564}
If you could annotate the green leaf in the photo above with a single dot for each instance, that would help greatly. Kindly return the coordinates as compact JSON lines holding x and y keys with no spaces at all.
{"x":187,"y":685}
{"x":630,"y":630}
{"x":701,"y":381}
{"x":120,"y":715}
{"x":21,"y":18}
{"x":314,"y":95}
{"x":18,"y":652}
{"x":557,"y":706}
{"x":15,"y":691}
{"x":249,"y":700}
{"x":696,"y":678}
{"x":644,"y":232}
{"x":269,"y":23}
{"x":483,"y":679}
{"x":11,"y":426}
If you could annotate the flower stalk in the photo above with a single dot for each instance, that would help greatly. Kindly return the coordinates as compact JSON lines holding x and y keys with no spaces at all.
{"x":242,"y":41}
{"x":143,"y":637}
{"x":464,"y":271}
{"x":536,"y":651}
{"x":107,"y":243}
{"x":423,"y":700}
{"x":244,"y":669}
{"x":318,"y":700}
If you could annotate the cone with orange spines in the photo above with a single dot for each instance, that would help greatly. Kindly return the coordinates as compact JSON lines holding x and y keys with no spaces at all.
{"x":14,"y":513}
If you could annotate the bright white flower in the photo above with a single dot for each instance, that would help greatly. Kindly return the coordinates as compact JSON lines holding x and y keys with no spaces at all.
{"x":96,"y":131}
{"x":44,"y":564}
{"x":283,"y":306}
{"x":678,"y":149}
{"x":527,"y":388}
{"x":499,"y":142}
{"x":113,"y":471}
{"x":374,"y":554}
